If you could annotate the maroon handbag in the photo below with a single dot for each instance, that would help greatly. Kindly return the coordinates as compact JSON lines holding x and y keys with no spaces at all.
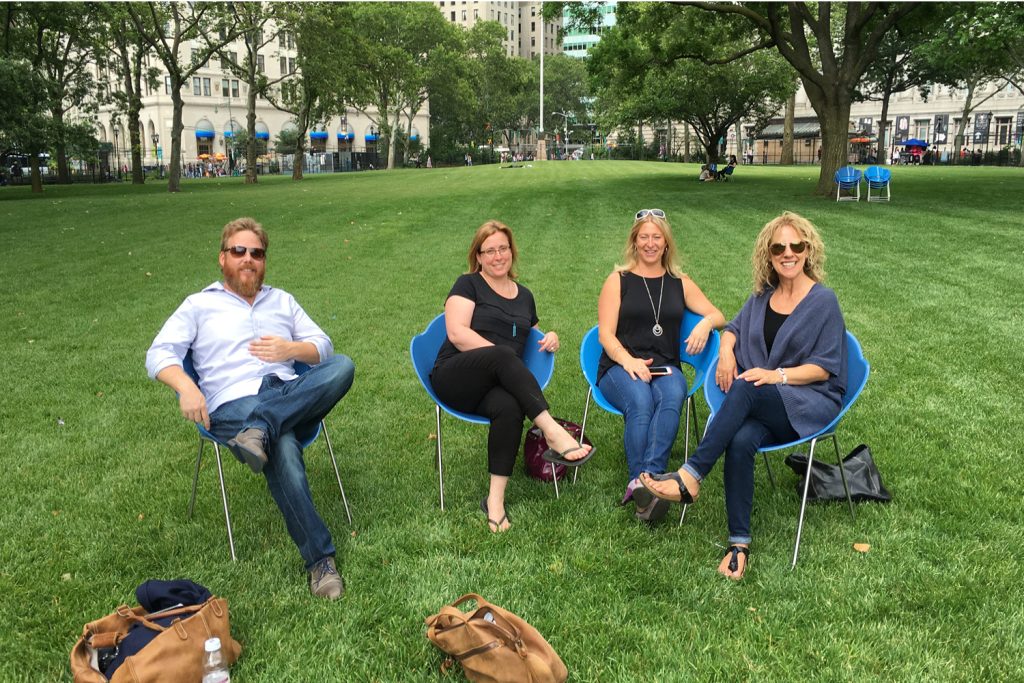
{"x":536,"y":444}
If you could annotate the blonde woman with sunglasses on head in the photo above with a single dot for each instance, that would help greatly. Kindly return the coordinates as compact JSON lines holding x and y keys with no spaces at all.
{"x":782,"y":364}
{"x":639,"y":314}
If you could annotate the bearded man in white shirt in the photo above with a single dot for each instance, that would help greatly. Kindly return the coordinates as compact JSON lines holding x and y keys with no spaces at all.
{"x":244,"y":337}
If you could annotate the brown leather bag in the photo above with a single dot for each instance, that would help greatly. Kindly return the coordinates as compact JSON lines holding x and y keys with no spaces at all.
{"x":174,"y":655}
{"x":493,"y":645}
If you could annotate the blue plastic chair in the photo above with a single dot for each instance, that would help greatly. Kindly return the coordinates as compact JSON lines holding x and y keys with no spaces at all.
{"x":725,"y":173}
{"x":205,"y":436}
{"x":848,"y":179}
{"x":878,"y":178}
{"x":424,"y":347}
{"x":590,"y":357}
{"x":857,"y":368}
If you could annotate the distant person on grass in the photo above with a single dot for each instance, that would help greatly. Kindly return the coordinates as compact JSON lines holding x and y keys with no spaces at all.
{"x":639,"y":315}
{"x":479,"y":367}
{"x":244,"y":337}
{"x":782,"y":364}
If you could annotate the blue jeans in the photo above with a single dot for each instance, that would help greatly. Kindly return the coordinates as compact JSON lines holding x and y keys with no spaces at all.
{"x":651,"y":412}
{"x":748,"y":418}
{"x":290,"y":412}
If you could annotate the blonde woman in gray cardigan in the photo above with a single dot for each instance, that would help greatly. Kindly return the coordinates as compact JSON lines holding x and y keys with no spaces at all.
{"x":782,"y":364}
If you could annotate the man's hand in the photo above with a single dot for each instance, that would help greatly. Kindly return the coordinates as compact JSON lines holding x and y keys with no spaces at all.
{"x":193,"y":406}
{"x":270,"y":349}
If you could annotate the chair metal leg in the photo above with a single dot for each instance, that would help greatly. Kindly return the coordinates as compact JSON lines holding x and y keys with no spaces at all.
{"x":583,"y":430}
{"x":195,"y":478}
{"x":224,"y":499}
{"x":337,"y":474}
{"x":691,"y":409}
{"x":440,"y":463}
{"x":554,"y":478}
{"x":842,"y":472}
{"x":803,"y":503}
{"x":768,"y":466}
{"x":686,"y":427}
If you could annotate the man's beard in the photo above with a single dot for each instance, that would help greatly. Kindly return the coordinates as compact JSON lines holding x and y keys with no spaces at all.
{"x":244,"y":288}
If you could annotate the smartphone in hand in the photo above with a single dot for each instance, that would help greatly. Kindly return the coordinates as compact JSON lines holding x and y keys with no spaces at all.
{"x":658,"y":370}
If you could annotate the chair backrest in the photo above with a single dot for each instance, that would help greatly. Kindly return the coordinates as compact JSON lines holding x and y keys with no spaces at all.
{"x":848,"y":175}
{"x":857,"y":371}
{"x":713,"y":168}
{"x":590,"y":357}
{"x":424,"y":347}
{"x":877,"y":175}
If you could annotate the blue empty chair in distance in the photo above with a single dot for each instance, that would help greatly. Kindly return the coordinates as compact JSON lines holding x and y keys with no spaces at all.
{"x":590,"y":356}
{"x":878,"y":178}
{"x":857,"y":370}
{"x":848,"y":179}
{"x":205,"y":436}
{"x":424,"y":347}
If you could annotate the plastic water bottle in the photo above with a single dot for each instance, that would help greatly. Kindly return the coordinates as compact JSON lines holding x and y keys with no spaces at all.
{"x":215,"y":669}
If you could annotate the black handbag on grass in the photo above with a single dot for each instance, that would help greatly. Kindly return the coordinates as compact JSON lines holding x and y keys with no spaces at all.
{"x":862,"y":476}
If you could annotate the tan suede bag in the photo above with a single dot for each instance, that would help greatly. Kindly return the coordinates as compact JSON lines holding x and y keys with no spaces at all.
{"x":174,"y":655}
{"x":493,"y":645}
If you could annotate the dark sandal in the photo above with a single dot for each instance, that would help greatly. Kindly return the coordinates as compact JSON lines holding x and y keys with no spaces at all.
{"x":497,"y":525}
{"x":734,"y":561}
{"x":684,"y":494}
{"x":551,"y":455}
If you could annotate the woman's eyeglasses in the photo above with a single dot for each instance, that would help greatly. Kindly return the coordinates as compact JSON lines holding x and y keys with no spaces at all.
{"x":643,"y":213}
{"x":494,"y":251}
{"x":779,"y":248}
{"x":258,"y":253}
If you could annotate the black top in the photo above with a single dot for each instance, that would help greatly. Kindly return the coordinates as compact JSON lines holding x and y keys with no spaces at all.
{"x":501,"y":321}
{"x":772,"y":322}
{"x":636,"y":320}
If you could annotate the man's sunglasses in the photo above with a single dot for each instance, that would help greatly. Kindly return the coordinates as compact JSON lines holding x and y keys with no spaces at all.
{"x":643,"y":213}
{"x":258,"y":253}
{"x":779,"y":248}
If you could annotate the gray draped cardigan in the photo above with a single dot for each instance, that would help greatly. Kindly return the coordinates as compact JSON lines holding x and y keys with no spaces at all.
{"x":813,"y":333}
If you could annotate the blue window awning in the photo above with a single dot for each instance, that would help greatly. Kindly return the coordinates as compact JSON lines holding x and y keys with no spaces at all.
{"x":204,"y":129}
{"x":318,"y":135}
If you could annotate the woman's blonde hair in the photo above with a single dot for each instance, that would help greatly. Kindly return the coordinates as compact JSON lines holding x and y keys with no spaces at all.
{"x":482,"y":233}
{"x":669,"y":257}
{"x":764,"y":273}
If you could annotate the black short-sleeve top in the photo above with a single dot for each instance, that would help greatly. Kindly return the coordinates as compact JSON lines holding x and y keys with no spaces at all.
{"x":501,"y":321}
{"x":634,"y":328}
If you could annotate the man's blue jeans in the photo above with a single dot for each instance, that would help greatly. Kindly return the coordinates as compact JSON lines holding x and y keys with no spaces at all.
{"x":289,"y":412}
{"x":748,"y":418}
{"x":651,"y":412}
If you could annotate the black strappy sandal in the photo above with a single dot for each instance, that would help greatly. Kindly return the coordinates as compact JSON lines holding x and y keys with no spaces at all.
{"x":684,"y":494}
{"x":734,"y":561}
{"x":497,"y":525}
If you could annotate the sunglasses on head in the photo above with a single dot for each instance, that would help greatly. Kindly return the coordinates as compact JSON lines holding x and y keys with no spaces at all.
{"x":643,"y":213}
{"x":258,"y":253}
{"x":779,"y":248}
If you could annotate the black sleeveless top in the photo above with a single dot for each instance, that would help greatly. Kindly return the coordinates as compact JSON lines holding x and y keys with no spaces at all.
{"x":772,"y":322}
{"x":501,"y":321}
{"x":636,"y":319}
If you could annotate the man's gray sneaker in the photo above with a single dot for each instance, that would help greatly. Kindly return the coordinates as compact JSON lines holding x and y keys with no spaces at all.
{"x":325,"y":581}
{"x":249,"y":446}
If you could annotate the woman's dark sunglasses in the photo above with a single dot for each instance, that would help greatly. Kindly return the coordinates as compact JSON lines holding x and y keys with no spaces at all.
{"x":257,"y":253}
{"x":779,"y":248}
{"x":643,"y":213}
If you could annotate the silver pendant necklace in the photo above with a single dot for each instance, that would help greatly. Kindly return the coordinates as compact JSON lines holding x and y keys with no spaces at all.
{"x":657,"y":330}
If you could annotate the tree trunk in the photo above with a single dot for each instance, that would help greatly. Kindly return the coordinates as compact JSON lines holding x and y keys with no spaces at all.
{"x":63,"y":169}
{"x":883,"y":153}
{"x":787,"y":132}
{"x":250,"y":142}
{"x":961,"y":130}
{"x":835,"y":140}
{"x":686,"y":143}
{"x":302,"y":121}
{"x":177,"y":127}
{"x":37,"y":179}
{"x":640,"y":138}
{"x":138,"y":173}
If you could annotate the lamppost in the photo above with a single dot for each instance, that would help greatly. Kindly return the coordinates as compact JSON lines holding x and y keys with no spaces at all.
{"x":156,"y":153}
{"x":565,"y":116}
{"x":117,"y":153}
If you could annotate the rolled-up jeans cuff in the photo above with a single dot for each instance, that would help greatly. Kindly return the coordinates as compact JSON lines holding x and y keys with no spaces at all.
{"x":742,"y":540}
{"x":693,"y":473}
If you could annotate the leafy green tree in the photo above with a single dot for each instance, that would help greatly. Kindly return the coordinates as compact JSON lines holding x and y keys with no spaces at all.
{"x":829,"y":45}
{"x":25,"y":126}
{"x":165,"y":27}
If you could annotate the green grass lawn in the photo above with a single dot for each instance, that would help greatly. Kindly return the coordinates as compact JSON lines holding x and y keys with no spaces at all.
{"x":97,"y":462}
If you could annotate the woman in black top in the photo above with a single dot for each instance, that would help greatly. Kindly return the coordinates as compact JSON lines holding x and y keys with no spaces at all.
{"x":639,"y":317}
{"x":479,"y":368}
